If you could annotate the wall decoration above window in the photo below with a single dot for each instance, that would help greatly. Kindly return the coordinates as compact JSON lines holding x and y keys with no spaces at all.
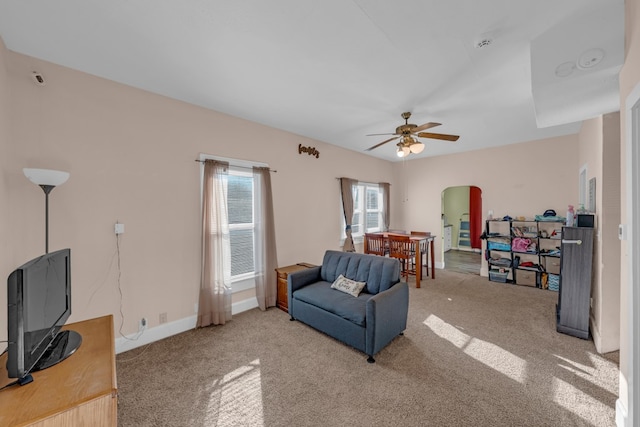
{"x":309,"y":150}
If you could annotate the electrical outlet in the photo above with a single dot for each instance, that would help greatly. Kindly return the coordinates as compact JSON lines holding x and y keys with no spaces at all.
{"x":142,"y":325}
{"x":163,"y":317}
{"x":119,"y":228}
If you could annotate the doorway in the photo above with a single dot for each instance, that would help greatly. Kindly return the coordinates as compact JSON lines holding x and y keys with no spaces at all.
{"x":631,"y":233}
{"x":461,"y":227}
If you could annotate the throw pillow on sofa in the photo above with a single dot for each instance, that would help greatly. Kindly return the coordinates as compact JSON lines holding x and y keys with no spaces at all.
{"x":348,"y":286}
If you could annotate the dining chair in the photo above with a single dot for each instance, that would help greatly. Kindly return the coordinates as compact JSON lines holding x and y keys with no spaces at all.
{"x":375,"y":244}
{"x":401,"y":248}
{"x":398,"y":231}
{"x":424,"y":249}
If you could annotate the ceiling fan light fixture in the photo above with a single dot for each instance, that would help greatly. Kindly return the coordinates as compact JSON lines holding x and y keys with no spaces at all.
{"x":407,"y":137}
{"x":417,"y":148}
{"x":403,"y":150}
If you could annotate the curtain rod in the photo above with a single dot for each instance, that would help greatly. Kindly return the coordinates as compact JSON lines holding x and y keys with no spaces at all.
{"x":366,"y":182}
{"x":241,"y":167}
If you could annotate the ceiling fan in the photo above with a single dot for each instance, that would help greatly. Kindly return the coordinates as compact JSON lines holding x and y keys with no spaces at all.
{"x":408,"y":133}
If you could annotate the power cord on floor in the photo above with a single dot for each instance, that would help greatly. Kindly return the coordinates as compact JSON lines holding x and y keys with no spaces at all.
{"x":8,"y":385}
{"x":146,"y":347}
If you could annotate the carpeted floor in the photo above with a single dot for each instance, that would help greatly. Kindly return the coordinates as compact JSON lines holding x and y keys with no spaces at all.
{"x":475,"y":353}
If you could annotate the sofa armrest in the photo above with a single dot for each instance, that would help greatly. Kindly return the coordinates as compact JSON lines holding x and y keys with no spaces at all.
{"x":386,"y":316}
{"x":301,"y":278}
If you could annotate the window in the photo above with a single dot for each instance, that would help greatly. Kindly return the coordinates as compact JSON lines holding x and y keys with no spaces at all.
{"x":241,"y":211}
{"x":241,"y":227}
{"x":367,"y":210}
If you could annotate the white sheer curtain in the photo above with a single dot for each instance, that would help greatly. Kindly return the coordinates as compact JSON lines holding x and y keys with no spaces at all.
{"x":265,"y":258}
{"x":214,"y":303}
{"x":386,"y":204}
{"x":346,"y":189}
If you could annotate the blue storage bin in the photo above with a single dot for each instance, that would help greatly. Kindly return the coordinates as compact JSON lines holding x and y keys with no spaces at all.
{"x":553,"y":280}
{"x":498,"y":246}
{"x":496,"y":276}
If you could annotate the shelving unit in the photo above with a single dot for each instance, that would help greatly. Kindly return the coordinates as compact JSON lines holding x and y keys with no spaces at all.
{"x":524,"y":252}
{"x":464,"y":233}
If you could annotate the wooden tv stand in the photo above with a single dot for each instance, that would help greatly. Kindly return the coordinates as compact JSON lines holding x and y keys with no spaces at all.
{"x":80,"y":390}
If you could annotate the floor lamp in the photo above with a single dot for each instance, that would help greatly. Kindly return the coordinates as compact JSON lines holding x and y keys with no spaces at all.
{"x":47,"y":180}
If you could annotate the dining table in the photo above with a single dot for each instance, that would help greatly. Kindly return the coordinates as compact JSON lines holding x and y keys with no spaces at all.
{"x":417,"y":240}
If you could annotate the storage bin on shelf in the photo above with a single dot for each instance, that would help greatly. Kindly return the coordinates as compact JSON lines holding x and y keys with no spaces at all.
{"x":498,"y":276}
{"x":526,"y":278}
{"x":498,"y":246}
{"x":553,"y":282}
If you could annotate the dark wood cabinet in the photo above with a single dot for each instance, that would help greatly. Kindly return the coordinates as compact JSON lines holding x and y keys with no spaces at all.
{"x":282,"y":273}
{"x":574,"y":294}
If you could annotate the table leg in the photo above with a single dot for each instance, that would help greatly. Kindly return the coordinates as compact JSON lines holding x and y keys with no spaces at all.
{"x":433,"y":264}
{"x":418,"y":265}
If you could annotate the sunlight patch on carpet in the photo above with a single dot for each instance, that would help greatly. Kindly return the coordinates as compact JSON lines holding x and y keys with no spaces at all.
{"x":236,"y":399}
{"x":591,"y":372}
{"x":578,"y":402}
{"x":489,"y":354}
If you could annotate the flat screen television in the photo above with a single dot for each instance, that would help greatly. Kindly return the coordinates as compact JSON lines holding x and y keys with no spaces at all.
{"x":39,"y":304}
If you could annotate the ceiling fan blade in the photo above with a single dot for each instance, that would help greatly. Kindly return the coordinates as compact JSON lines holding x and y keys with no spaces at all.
{"x":382,"y":143}
{"x":425,"y":126}
{"x":442,"y":136}
{"x":378,"y":134}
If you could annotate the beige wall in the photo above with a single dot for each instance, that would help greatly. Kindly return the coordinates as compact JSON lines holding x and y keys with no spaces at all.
{"x":519,"y":179}
{"x":131,"y":158}
{"x":599,"y":152}
{"x":629,"y":79}
{"x":6,"y":256}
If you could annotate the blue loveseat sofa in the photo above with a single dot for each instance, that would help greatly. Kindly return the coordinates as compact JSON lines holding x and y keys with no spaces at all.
{"x":367,"y":322}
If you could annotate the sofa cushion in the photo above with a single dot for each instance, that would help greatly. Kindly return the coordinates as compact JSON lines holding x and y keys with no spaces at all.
{"x":380,"y":273}
{"x":348,"y":286}
{"x":321,"y":295}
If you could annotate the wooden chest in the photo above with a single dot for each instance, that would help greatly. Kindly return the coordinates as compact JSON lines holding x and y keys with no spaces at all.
{"x":282,"y":273}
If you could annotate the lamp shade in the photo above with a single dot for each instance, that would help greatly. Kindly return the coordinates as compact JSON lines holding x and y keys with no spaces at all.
{"x":417,"y":147}
{"x":46,"y":176}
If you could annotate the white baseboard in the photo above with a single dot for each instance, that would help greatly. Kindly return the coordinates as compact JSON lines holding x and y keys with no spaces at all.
{"x":165,"y":330}
{"x":595,"y":334}
{"x":603,"y":344}
{"x":245,"y":305}
{"x":621,"y":414}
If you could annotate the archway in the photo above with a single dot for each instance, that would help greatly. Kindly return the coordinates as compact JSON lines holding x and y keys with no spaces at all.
{"x":461,"y":227}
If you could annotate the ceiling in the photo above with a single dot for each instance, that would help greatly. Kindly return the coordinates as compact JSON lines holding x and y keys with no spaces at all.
{"x":337,"y":70}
